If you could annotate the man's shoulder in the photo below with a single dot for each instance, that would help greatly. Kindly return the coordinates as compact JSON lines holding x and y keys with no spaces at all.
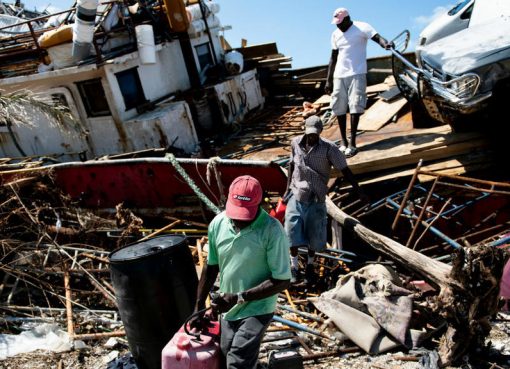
{"x":361,"y":24}
{"x":364,"y":26}
{"x":332,"y":150}
{"x":218,"y":220}
{"x":327,"y":142}
{"x":297,"y":139}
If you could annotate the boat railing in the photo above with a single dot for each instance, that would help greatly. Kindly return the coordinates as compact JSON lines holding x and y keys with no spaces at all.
{"x":21,"y":53}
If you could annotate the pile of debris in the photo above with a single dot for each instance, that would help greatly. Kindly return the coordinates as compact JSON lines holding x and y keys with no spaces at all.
{"x":54,"y":269}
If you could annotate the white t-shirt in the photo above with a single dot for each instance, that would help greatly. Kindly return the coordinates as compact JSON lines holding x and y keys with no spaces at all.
{"x":352,"y":49}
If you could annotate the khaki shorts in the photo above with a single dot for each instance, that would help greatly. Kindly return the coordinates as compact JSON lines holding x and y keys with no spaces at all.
{"x":349,"y":95}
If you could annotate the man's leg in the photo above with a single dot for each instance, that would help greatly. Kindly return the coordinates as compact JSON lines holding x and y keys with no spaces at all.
{"x":316,"y":230}
{"x":294,"y":264}
{"x":294,"y":230}
{"x":242,"y":350}
{"x":309,"y":271}
{"x":354,"y":128}
{"x":357,"y":103}
{"x":342,"y":124}
{"x":339,"y":106}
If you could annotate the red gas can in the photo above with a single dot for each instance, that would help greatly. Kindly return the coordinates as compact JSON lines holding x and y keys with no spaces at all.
{"x":189,"y":352}
{"x":278,"y":211}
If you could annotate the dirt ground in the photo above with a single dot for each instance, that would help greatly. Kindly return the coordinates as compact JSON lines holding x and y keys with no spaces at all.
{"x":97,"y":356}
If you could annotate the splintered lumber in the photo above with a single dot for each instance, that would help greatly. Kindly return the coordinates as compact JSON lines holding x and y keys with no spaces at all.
{"x":98,"y":336}
{"x":468,"y":290}
{"x":254,"y":51}
{"x":69,"y":308}
{"x":462,"y":164}
{"x":380,"y":113}
{"x":427,"y":144}
{"x":379,"y":87}
{"x":323,"y":100}
{"x":161,"y":230}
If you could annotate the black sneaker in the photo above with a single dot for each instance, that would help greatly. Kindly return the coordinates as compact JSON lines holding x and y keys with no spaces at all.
{"x":310,"y":274}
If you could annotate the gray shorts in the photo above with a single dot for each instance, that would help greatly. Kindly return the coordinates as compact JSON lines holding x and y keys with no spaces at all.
{"x":240,"y":340}
{"x":349,"y":95}
{"x":306,"y":224}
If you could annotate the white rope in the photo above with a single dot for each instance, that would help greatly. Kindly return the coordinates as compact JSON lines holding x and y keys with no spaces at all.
{"x":213,"y":165}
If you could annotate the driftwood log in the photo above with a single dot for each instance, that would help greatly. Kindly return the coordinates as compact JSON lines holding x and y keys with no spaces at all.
{"x":468,"y":289}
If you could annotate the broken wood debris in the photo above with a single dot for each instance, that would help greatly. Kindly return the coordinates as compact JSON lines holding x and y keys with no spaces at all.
{"x":466,"y":308}
{"x":51,"y":273}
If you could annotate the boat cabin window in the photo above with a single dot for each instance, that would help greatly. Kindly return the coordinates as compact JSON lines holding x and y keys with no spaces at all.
{"x":59,"y":100}
{"x":93,"y":97}
{"x":131,"y":88}
{"x":204,"y":55}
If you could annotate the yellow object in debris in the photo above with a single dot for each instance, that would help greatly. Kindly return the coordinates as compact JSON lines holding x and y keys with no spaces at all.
{"x":177,"y":15}
{"x":56,"y":36}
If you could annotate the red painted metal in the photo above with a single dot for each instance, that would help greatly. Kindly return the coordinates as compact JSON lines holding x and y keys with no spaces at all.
{"x":185,"y":352}
{"x":154,"y":183}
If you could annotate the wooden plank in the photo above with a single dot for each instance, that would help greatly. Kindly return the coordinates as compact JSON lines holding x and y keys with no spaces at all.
{"x":380,"y":87}
{"x":379,"y":114}
{"x":428,"y":144}
{"x":390,"y":94}
{"x":458,"y":166}
{"x":323,"y":100}
{"x":258,"y":50}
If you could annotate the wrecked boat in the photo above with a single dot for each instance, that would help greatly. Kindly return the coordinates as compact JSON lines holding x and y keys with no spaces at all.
{"x":152,"y":185}
{"x":56,"y":239}
{"x":136,"y":77}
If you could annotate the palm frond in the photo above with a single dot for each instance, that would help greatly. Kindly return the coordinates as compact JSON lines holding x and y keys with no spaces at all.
{"x":15,"y":107}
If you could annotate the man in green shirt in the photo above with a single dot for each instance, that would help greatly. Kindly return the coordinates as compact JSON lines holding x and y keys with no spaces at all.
{"x":250,"y":252}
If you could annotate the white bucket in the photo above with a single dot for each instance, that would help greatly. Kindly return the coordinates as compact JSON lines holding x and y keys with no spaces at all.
{"x":145,"y":42}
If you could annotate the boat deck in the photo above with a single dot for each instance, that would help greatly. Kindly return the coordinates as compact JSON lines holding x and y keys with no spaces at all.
{"x":393,"y":150}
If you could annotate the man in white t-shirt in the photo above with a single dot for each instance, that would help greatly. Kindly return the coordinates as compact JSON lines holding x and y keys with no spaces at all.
{"x":347,"y":73}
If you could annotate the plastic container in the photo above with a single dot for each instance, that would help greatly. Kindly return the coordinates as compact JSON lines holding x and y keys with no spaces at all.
{"x":278,"y":211}
{"x":194,"y":12}
{"x":145,"y":42}
{"x":285,"y":359}
{"x":186,"y":352}
{"x":177,"y":15}
{"x":234,"y":62}
{"x":155,"y":284}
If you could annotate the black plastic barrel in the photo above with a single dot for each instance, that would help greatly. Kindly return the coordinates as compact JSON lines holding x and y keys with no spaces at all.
{"x":155,"y":284}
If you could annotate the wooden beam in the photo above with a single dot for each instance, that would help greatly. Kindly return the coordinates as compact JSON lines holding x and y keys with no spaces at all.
{"x":400,"y":151}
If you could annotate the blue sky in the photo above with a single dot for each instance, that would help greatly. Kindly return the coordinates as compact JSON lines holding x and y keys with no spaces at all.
{"x":302,"y":29}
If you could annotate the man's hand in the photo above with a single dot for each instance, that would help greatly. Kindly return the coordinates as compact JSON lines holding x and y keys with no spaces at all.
{"x":198,"y":322}
{"x":201,"y":321}
{"x":327,"y":88}
{"x":223,"y":302}
{"x":286,"y":196}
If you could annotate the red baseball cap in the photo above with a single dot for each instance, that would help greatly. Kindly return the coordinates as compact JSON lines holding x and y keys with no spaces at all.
{"x":244,"y":197}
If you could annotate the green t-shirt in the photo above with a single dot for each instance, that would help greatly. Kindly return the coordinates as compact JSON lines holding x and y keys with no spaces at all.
{"x":247,"y":258}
